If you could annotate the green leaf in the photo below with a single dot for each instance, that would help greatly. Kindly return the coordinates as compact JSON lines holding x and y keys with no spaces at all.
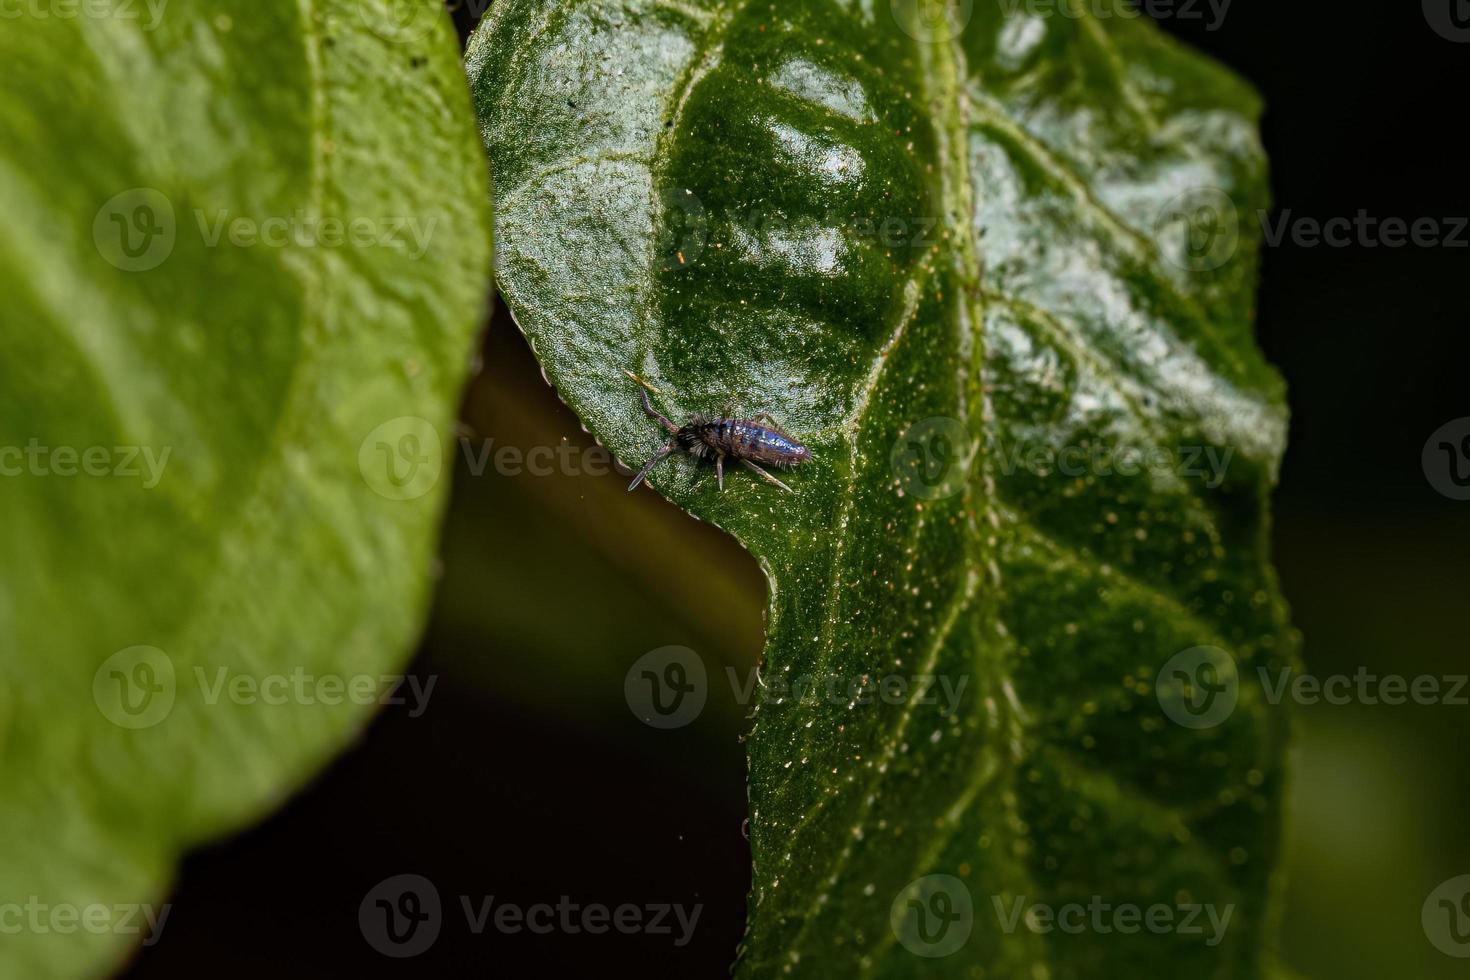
{"x":972,"y":257}
{"x":241,"y":248}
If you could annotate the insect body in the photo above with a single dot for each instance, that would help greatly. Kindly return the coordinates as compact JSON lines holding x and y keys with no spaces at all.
{"x":748,"y":441}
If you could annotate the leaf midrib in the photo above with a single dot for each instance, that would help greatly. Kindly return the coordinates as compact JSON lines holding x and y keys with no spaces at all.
{"x":943,"y":78}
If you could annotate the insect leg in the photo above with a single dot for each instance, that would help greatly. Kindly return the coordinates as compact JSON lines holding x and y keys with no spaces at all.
{"x":720,"y":469}
{"x":653,"y":413}
{"x":765,"y":476}
{"x":667,"y":448}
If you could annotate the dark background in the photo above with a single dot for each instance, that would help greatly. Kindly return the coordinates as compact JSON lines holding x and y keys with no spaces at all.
{"x":529,"y":779}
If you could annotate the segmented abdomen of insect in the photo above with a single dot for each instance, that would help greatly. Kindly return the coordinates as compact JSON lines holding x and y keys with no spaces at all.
{"x":753,"y":441}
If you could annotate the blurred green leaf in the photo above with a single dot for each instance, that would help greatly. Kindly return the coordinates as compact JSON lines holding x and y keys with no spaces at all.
{"x":245,"y":254}
{"x":943,"y":245}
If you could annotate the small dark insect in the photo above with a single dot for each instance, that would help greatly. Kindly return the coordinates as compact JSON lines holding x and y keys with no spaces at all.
{"x":747,"y":441}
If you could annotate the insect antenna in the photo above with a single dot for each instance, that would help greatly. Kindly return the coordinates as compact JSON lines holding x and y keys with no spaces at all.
{"x":653,"y":413}
{"x":640,"y":381}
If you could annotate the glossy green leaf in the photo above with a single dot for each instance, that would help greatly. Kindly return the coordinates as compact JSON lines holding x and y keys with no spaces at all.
{"x":239,"y":242}
{"x":980,"y":260}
